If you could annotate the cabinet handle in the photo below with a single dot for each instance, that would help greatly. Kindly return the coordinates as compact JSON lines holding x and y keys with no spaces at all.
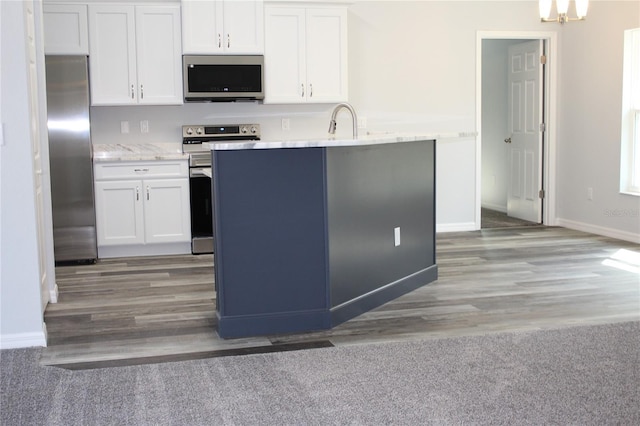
{"x":147,"y":192}
{"x":132,"y":92}
{"x":311,"y":90}
{"x":228,"y":41}
{"x":137,"y":193}
{"x":219,"y":40}
{"x":141,"y":92}
{"x":141,"y":170}
{"x":302,"y":86}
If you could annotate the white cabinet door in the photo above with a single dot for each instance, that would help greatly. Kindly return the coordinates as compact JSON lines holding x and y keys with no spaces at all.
{"x":201,"y":27}
{"x":222,"y":27}
{"x":119,"y":212}
{"x":166,"y":210}
{"x":65,"y":29}
{"x":135,"y":54}
{"x":285,"y":59}
{"x":327,"y":55}
{"x":305,"y":55}
{"x":158,"y":49}
{"x":243,"y":26}
{"x":112,"y":58}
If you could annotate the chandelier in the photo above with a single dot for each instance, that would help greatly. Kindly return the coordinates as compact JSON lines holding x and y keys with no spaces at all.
{"x":562,"y":9}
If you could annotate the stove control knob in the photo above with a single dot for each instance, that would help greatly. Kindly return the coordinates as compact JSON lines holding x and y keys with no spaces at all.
{"x":199,"y":130}
{"x":243,"y":130}
{"x":253,"y":129}
{"x":189,"y":131}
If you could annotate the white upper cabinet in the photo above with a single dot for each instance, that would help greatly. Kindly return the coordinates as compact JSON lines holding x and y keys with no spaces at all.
{"x":135,"y":54}
{"x":65,"y":29}
{"x":305,"y":54}
{"x":222,"y":27}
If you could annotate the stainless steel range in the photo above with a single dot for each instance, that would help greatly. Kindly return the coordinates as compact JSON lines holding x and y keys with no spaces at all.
{"x":199,"y":184}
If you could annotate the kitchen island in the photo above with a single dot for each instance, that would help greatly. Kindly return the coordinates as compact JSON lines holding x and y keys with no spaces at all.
{"x":309,"y":234}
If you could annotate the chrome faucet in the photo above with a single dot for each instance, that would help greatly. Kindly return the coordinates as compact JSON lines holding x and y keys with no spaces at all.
{"x":354,"y":119}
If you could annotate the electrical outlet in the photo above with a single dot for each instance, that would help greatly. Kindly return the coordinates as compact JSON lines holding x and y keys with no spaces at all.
{"x":144,"y":126}
{"x":286,"y":124}
{"x":396,"y":236}
{"x":362,"y":122}
{"x":589,"y":194}
{"x":124,"y":127}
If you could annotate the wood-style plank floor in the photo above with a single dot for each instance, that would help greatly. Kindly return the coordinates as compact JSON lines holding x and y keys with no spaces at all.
{"x":145,"y":310}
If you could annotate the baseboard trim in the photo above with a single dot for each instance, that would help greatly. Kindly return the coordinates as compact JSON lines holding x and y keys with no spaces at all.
{"x":598,"y":230}
{"x":24,"y":340}
{"x":160,"y":249}
{"x":456,"y":227}
{"x":53,"y":294}
{"x":387,"y":293}
{"x":232,"y":327}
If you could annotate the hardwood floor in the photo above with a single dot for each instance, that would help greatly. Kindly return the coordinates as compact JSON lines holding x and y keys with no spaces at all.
{"x":495,"y":219}
{"x":144,"y":310}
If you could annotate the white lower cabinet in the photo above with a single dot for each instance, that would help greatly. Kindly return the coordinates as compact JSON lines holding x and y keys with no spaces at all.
{"x":144,"y":216}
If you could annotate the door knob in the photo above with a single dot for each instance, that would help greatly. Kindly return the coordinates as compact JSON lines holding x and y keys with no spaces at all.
{"x":507,"y":140}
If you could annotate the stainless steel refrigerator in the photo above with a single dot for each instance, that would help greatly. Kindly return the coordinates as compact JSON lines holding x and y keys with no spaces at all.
{"x":70,"y":157}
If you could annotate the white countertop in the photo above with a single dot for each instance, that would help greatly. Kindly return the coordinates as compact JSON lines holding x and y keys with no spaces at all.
{"x":138,"y":152}
{"x":370,"y":139}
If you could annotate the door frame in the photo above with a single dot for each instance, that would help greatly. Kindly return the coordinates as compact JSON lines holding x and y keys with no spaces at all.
{"x":549,"y":117}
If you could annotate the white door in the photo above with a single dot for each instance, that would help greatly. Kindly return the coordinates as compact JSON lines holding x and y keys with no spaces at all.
{"x":159,"y":60}
{"x":166,"y":210}
{"x":525,"y":139}
{"x":119,"y":213}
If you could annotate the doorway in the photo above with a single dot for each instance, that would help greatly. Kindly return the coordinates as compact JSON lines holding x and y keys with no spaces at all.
{"x":497,"y":160}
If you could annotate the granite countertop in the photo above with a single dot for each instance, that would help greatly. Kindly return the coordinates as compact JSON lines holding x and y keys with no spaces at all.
{"x":138,"y":152}
{"x":369,"y":139}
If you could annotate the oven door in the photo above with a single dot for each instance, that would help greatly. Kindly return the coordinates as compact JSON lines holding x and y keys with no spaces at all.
{"x":201,"y":211}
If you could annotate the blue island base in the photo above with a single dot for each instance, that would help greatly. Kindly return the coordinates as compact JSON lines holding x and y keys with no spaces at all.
{"x":308,"y":238}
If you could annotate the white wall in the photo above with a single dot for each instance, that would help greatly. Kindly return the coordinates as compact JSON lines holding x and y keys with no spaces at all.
{"x":412,"y":67}
{"x":590,"y":113}
{"x":20,"y":313}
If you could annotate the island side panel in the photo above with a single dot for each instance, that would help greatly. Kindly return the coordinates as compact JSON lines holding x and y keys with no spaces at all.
{"x":270,"y":241}
{"x":371,"y":191}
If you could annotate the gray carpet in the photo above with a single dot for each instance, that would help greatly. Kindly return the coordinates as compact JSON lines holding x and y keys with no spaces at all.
{"x":586,"y":375}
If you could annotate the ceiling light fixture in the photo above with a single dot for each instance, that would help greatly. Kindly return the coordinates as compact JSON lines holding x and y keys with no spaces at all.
{"x":562,"y":9}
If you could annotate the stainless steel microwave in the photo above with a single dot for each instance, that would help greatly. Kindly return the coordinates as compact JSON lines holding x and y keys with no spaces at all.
{"x":210,"y":78}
